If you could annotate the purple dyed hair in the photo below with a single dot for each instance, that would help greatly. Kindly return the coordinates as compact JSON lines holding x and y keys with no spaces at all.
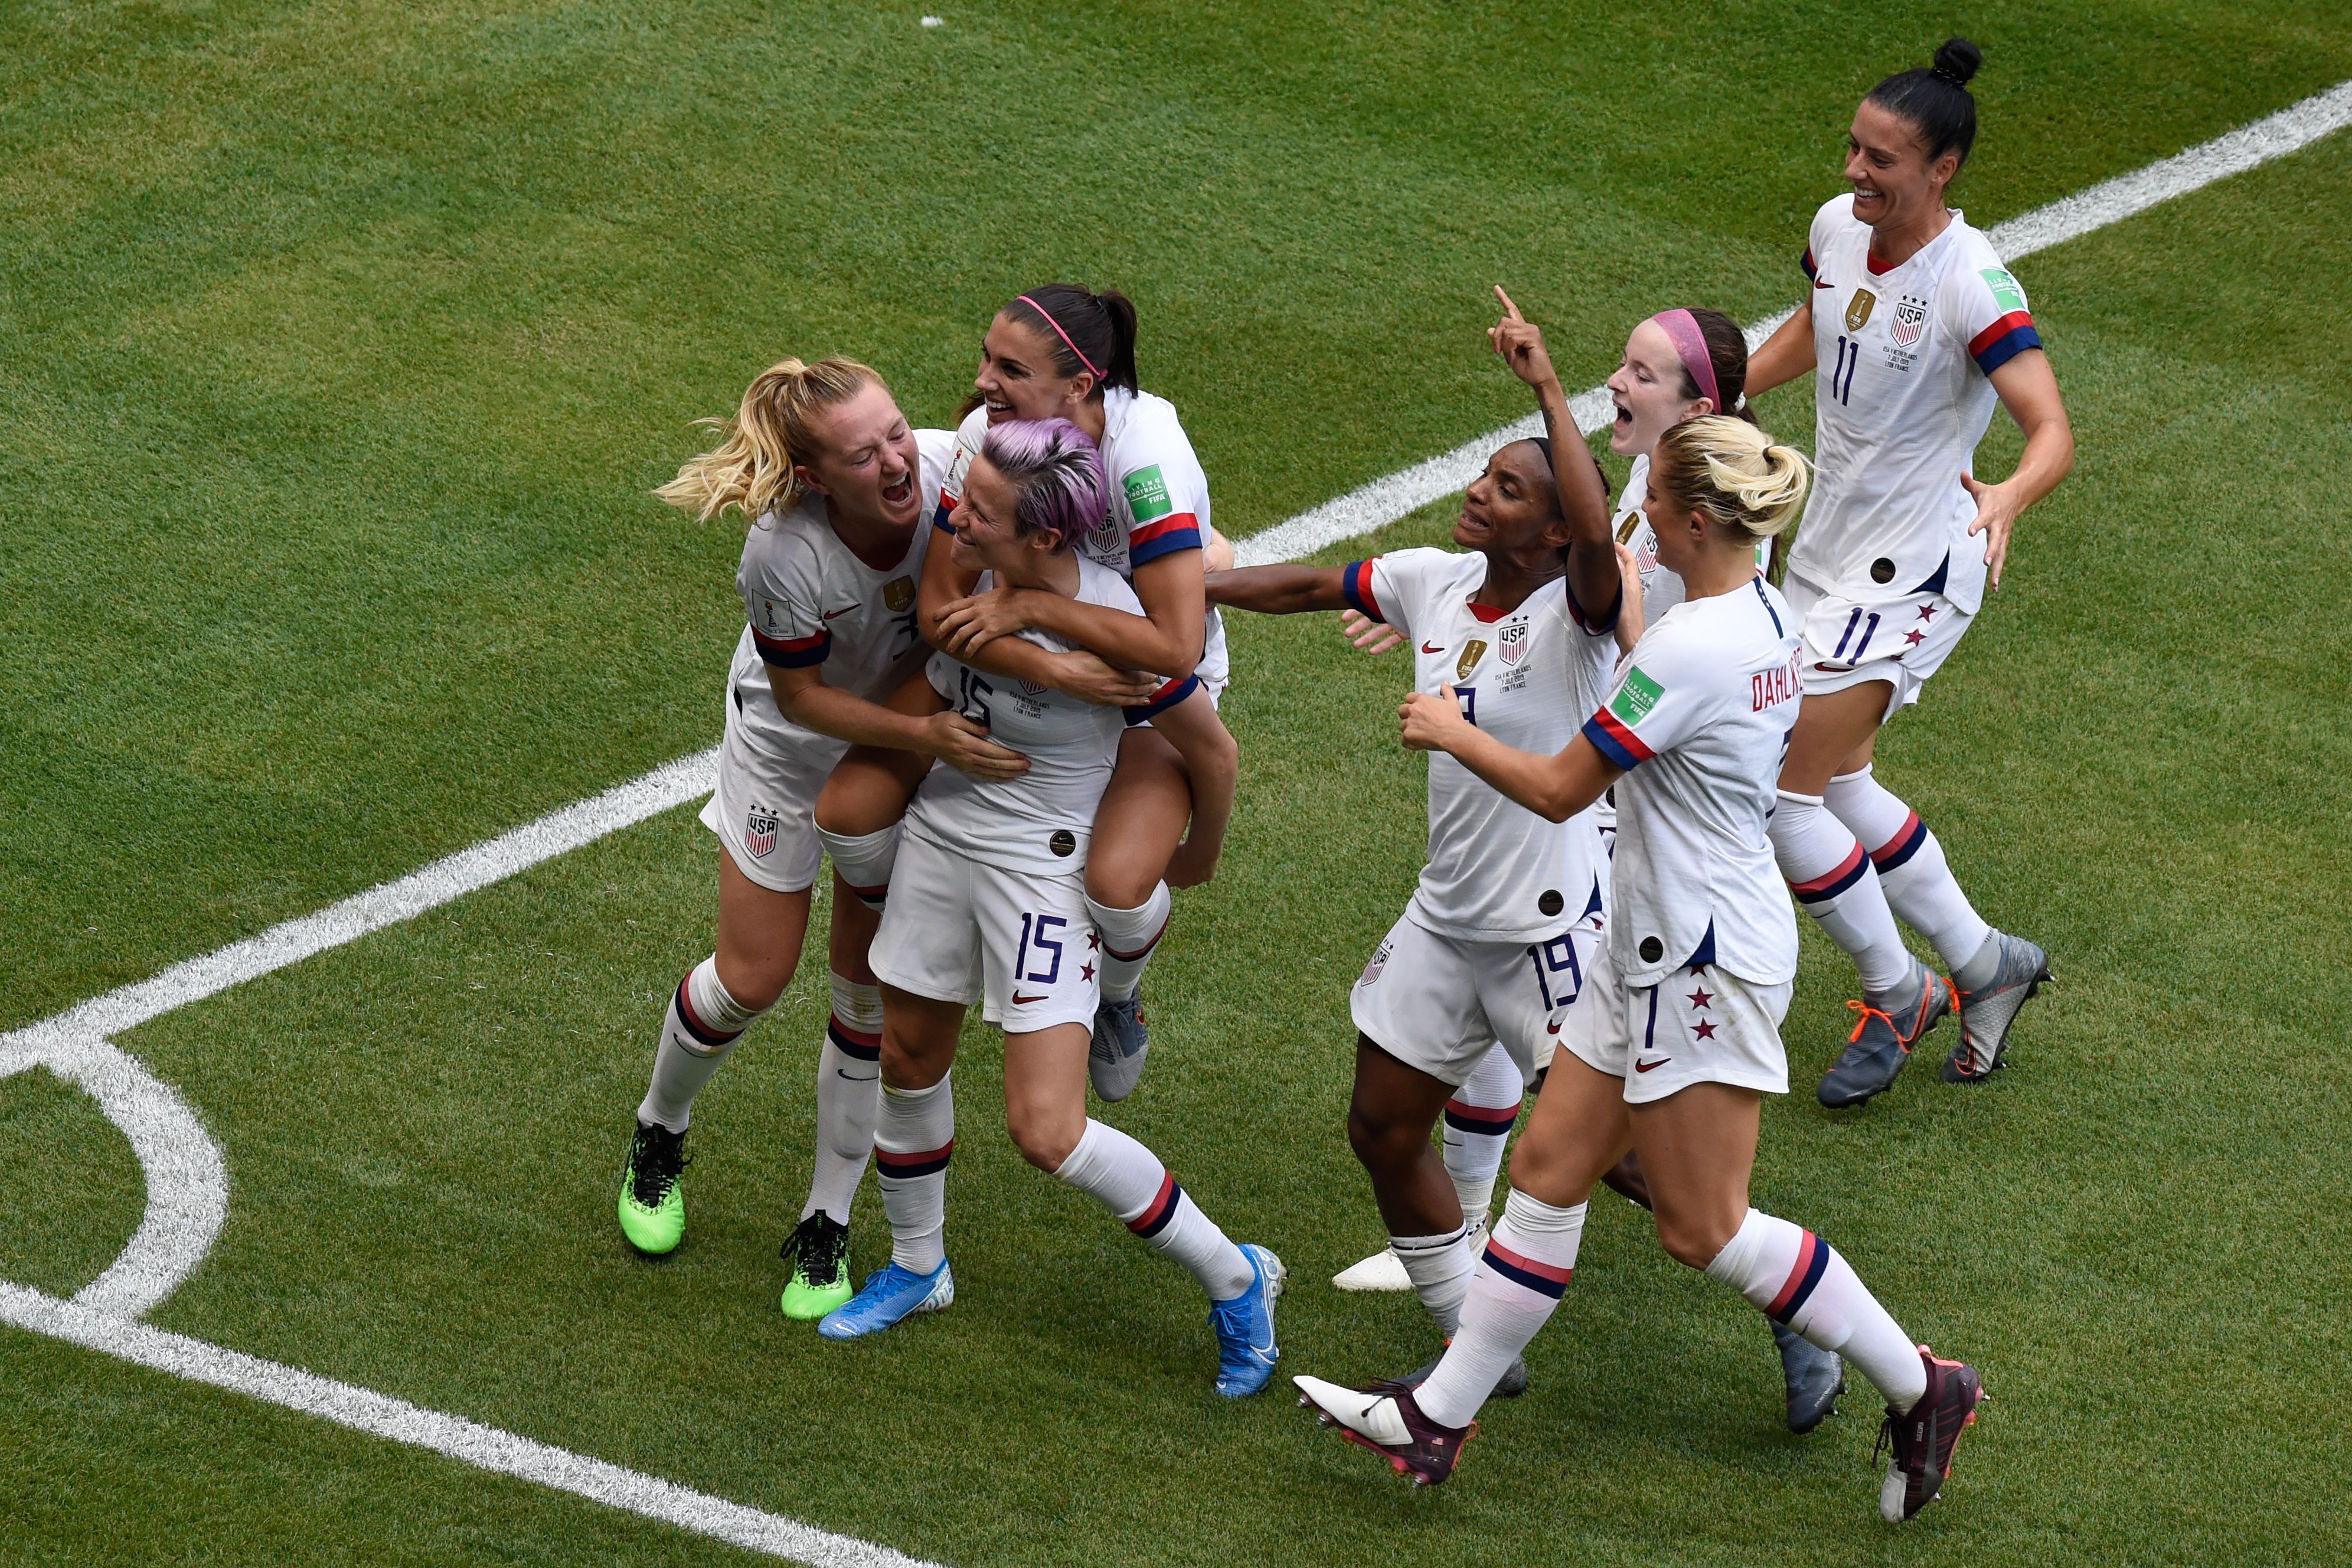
{"x":1054,"y":469}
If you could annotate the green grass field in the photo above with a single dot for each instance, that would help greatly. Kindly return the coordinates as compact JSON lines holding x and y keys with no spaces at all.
{"x":340,"y":346}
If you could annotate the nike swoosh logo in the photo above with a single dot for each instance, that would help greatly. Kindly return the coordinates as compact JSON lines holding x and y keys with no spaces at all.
{"x":1645,"y":1067}
{"x":1427,"y":649}
{"x":836,"y":614}
{"x":1818,"y":284}
{"x":1019,"y":1000}
{"x":1552,"y":1029}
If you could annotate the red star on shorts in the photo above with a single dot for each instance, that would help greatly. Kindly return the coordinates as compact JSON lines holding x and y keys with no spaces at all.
{"x":1705,"y":1031}
{"x":1914,"y":638}
{"x":1700,"y":998}
{"x":1696,"y":969}
{"x":1927,"y":612}
{"x":1087,"y":971}
{"x":1094,"y":940}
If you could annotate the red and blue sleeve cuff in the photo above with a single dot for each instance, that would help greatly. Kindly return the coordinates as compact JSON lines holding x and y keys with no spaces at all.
{"x":2003,"y":342}
{"x":1159,"y":702}
{"x":1356,"y":585}
{"x":1812,"y":273}
{"x":1162,"y":536}
{"x":792,"y":653}
{"x":1590,"y":625}
{"x":1615,"y":741}
{"x":945,"y":510}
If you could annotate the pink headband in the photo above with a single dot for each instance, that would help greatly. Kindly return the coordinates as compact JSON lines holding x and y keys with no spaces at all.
{"x":1081,"y":352}
{"x":1690,"y":344}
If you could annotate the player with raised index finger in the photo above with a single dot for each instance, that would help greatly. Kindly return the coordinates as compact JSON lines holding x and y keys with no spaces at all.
{"x":1916,"y":330}
{"x":1676,"y":1038}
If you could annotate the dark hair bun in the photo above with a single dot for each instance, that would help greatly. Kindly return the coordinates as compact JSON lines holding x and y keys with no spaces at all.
{"x":1956,"y":61}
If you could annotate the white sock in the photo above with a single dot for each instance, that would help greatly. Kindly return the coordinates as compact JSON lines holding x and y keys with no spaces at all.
{"x":1521,"y":1274}
{"x":1478,"y":1121}
{"x":1911,"y":867}
{"x":1438,"y":1266}
{"x":865,"y":862}
{"x":1798,"y":1280}
{"x":1834,"y":883}
{"x":1129,"y":937}
{"x":913,"y":1138}
{"x":1130,"y":1180}
{"x":848,"y":1098}
{"x":699,"y":1028}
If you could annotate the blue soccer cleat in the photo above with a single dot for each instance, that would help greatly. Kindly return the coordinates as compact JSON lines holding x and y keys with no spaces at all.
{"x":1245,"y":1328}
{"x":889,"y":1294}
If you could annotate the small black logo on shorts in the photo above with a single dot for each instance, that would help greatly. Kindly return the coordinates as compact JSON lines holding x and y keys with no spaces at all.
{"x":1652,"y":950}
{"x":1550,"y":901}
{"x":1882,"y":570}
{"x":1064,"y":842}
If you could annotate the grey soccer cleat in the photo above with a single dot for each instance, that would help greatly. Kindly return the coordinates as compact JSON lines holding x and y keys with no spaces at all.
{"x":1988,"y":1010}
{"x":1879,"y":1046}
{"x":1514,"y":1380}
{"x":1815,"y":1378}
{"x":1115,"y":1060}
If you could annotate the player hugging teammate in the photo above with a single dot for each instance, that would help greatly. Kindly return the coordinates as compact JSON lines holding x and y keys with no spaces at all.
{"x":1052,"y":635}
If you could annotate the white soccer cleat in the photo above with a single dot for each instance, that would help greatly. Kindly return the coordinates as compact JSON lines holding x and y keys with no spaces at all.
{"x":1370,"y":1415}
{"x":1383,"y":1270}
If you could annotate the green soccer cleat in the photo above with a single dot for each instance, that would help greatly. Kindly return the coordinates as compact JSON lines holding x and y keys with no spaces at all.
{"x":820,"y":1252}
{"x":652,"y":1208}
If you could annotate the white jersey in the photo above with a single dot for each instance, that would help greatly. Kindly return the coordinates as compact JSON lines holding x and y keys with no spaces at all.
{"x":810,"y":602}
{"x":1901,"y":396}
{"x":1042,"y":821}
{"x":1699,"y":718}
{"x":1496,"y":871}
{"x":1160,"y":496}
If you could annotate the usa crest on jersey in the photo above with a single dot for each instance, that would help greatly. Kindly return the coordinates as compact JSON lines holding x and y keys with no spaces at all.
{"x":1910,"y":320}
{"x":1511,"y":642}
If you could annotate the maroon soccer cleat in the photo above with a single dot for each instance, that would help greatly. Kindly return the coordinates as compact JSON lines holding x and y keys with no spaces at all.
{"x":1924,"y":1437}
{"x":1384,"y":1420}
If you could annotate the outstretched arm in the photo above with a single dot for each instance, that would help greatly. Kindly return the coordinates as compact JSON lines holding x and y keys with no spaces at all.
{"x":1214,"y":762}
{"x":1280,"y":590}
{"x":1583,"y":498}
{"x":2029,"y":390}
{"x":1554,"y":787}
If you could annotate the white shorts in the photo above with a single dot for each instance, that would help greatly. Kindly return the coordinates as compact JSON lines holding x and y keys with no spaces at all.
{"x":1902,"y":640}
{"x":764,"y":809}
{"x":1708,"y":1027}
{"x":958,"y":930}
{"x":1440,"y":1002}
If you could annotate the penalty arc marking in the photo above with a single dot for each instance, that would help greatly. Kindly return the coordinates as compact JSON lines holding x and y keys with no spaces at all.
{"x":187,"y":1184}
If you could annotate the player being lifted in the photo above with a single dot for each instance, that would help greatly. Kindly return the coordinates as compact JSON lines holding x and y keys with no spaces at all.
{"x":1497,"y":938}
{"x":988,"y":903}
{"x":1916,"y":329}
{"x":1676,"y":1038}
{"x":840,"y":489}
{"x":1060,"y":351}
{"x":1678,"y":365}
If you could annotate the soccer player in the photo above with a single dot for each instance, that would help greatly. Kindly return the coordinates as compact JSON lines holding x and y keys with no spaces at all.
{"x":1061,"y":351}
{"x":1676,"y":1039}
{"x":988,"y":903}
{"x":839,"y":488}
{"x":1916,"y":329}
{"x":1496,"y":941}
{"x":1678,"y":365}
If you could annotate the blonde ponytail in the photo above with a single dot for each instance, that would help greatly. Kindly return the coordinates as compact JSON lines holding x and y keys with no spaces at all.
{"x":1737,"y":476}
{"x":750,"y":469}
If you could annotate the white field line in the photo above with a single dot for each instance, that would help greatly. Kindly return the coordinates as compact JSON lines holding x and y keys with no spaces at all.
{"x":186,"y":1193}
{"x":469,"y":1442}
{"x":1382,"y":501}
